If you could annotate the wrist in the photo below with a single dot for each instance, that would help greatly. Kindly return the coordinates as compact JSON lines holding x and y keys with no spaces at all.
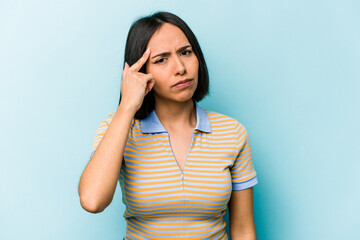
{"x":127,"y":109}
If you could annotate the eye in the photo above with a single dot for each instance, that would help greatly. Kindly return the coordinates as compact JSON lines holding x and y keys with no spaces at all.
{"x":160,"y":60}
{"x":186,"y":52}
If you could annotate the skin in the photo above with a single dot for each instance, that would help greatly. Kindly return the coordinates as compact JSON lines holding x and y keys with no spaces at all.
{"x":174,"y":105}
{"x":171,"y":60}
{"x":175,"y":110}
{"x":241,"y":215}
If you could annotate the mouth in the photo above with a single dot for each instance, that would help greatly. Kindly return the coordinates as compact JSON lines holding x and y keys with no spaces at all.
{"x":182,"y":82}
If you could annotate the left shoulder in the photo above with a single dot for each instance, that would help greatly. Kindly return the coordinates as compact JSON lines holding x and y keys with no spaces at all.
{"x":220,"y":119}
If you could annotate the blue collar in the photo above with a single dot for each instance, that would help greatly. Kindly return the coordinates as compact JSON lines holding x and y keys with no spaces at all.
{"x":152,"y":124}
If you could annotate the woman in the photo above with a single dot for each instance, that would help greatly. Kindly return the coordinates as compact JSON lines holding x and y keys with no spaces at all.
{"x":178,"y":165}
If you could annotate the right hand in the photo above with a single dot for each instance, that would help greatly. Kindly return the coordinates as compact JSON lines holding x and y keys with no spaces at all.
{"x":134,"y":84}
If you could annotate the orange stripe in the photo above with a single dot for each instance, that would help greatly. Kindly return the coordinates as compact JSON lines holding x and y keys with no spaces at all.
{"x":244,"y":179}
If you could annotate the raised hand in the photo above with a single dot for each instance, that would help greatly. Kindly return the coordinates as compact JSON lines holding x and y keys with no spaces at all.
{"x":135,"y":85}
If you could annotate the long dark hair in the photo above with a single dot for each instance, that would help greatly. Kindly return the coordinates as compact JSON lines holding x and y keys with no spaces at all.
{"x":139,"y":36}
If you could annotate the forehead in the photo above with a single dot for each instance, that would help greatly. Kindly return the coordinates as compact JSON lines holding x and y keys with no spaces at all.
{"x":166,"y":37}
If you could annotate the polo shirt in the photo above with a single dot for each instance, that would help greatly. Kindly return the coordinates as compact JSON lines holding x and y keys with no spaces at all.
{"x":164,"y":201}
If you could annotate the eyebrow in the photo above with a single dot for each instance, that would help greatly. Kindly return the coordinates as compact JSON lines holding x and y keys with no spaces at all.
{"x":168,"y":53}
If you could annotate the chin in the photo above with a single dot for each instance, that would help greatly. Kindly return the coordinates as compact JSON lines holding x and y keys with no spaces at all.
{"x":185,"y":99}
{"x":177,"y":97}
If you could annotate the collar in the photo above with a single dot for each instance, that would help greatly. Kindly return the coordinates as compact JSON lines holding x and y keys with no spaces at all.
{"x":152,"y":124}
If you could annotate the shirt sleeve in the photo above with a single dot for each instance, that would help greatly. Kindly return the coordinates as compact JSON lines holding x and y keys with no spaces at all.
{"x":100,"y":132}
{"x":243,"y":173}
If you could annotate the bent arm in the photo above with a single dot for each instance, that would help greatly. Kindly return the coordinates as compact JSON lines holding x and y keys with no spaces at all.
{"x":99,"y":179}
{"x":241,"y":215}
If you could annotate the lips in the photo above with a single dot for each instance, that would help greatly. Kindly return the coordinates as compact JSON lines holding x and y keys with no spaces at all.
{"x":183,"y":81}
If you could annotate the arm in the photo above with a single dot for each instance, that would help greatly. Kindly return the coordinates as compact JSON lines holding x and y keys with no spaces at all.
{"x":98,"y":181}
{"x":242,"y":226}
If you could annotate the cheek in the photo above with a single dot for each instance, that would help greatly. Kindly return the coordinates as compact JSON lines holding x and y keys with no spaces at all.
{"x":195,"y":64}
{"x":153,"y":71}
{"x":160,"y":79}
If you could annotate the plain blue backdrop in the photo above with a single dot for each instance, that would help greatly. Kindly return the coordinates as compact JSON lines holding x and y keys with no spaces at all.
{"x":288,"y":70}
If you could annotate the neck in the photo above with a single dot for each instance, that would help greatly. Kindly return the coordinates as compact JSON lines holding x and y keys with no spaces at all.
{"x":176,"y":115}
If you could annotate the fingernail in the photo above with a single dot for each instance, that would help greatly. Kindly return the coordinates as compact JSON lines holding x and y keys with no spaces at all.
{"x":147,"y":50}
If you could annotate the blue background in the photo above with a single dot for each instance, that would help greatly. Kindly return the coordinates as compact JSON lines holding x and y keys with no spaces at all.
{"x":288,"y":70}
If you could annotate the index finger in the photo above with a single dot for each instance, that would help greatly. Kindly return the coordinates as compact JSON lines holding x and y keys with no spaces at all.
{"x":137,"y":66}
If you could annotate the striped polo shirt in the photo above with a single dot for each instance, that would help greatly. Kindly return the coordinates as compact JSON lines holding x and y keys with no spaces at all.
{"x":164,"y":201}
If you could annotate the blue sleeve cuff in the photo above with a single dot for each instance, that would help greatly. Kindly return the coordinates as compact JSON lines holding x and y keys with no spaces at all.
{"x":244,"y":185}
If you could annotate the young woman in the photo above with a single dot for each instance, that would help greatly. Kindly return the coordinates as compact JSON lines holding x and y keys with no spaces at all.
{"x":179,"y":166}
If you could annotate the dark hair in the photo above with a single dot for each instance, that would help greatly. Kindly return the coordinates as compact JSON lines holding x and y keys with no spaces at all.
{"x":139,"y":36}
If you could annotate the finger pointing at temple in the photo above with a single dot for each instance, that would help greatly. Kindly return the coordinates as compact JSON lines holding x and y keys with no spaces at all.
{"x":137,"y":66}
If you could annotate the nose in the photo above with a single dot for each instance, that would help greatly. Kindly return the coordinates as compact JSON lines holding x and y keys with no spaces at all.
{"x":179,"y":66}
